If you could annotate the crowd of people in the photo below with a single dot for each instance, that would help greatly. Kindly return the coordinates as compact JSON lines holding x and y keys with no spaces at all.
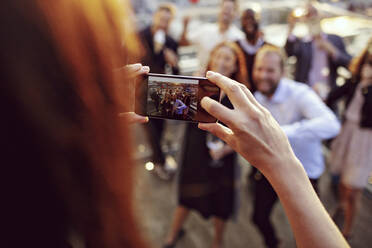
{"x":68,"y":178}
{"x":173,"y":104}
{"x":305,"y":107}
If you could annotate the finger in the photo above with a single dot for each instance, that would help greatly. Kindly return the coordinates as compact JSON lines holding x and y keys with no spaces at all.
{"x":134,"y":70}
{"x":129,"y":68}
{"x":217,"y":110}
{"x":230,"y":87}
{"x":251,"y":97}
{"x":143,"y":70}
{"x":133,"y":67}
{"x":218,"y":130}
{"x":131,"y":118}
{"x":247,"y":101}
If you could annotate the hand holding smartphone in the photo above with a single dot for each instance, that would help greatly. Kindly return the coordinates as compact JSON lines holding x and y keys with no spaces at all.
{"x":174,"y":97}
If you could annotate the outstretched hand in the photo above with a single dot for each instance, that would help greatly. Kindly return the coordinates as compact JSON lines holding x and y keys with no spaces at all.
{"x":251,"y":130}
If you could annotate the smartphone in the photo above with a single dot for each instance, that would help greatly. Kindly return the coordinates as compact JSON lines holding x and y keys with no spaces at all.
{"x":174,"y":97}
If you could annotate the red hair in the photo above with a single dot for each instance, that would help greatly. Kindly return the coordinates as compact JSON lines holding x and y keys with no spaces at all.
{"x":357,"y":63}
{"x":241,"y":75}
{"x":65,"y":101}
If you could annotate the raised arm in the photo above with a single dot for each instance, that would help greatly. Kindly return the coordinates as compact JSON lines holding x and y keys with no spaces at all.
{"x":254,"y":133}
{"x":183,"y":40}
{"x":340,"y":57}
{"x":338,"y":92}
{"x":292,"y":45}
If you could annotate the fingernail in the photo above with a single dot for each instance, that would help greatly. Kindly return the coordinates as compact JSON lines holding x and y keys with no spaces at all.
{"x":147,"y":119}
{"x":210,"y":73}
{"x":136,"y":66}
{"x":145,"y":68}
{"x":204,"y":101}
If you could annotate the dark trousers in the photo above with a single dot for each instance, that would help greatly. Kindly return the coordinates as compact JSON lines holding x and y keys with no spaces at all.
{"x":154,"y":130}
{"x":264,"y":198}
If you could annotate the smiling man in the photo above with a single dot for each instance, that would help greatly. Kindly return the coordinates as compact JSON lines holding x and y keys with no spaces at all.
{"x":305,"y":119}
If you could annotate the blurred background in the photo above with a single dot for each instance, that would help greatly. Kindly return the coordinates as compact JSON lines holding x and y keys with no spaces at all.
{"x":156,"y":196}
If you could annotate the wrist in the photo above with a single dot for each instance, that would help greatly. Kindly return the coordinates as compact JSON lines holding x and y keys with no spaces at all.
{"x":287,"y":182}
{"x":284,"y":166}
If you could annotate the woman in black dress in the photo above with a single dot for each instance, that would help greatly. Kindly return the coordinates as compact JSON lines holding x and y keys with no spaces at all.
{"x":207,"y":178}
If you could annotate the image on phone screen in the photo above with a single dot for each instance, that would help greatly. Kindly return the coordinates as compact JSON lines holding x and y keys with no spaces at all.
{"x":176,"y":97}
{"x":173,"y":98}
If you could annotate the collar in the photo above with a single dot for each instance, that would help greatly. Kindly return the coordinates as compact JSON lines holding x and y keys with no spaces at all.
{"x":249,"y":48}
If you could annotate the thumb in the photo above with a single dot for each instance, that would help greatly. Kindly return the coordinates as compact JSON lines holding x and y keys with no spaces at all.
{"x":131,"y":118}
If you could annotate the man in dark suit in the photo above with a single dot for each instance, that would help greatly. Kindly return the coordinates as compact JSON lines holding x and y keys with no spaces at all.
{"x":160,"y":48}
{"x":318,"y":55}
{"x":161,"y":56}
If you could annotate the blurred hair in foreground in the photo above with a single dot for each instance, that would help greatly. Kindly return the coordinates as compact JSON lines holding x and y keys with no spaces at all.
{"x":66,"y":158}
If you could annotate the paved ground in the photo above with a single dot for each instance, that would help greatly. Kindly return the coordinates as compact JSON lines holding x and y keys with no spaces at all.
{"x":156,"y":201}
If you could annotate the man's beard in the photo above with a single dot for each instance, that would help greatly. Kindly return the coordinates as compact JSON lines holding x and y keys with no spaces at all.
{"x":269,"y":92}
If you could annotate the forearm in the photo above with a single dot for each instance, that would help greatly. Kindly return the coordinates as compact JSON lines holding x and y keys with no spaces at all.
{"x":310,"y":222}
{"x":313,"y":129}
{"x":339,"y":55}
{"x":183,"y":40}
{"x":340,"y":58}
{"x":337,"y":93}
{"x":318,"y":122}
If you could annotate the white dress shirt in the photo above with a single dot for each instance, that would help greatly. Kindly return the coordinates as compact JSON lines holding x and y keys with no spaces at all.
{"x":305,"y":119}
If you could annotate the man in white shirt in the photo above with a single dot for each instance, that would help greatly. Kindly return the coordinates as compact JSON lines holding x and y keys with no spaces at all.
{"x":304,"y":118}
{"x":208,"y":35}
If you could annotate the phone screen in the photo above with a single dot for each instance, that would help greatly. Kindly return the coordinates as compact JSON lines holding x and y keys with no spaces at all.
{"x":175,"y":97}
